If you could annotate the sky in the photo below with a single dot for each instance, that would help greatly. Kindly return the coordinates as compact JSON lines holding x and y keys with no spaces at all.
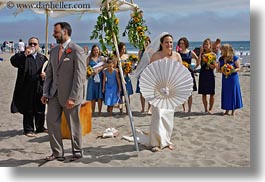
{"x":194,"y":19}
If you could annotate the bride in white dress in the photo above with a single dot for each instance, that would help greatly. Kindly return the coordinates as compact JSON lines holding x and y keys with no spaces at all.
{"x":162,"y":120}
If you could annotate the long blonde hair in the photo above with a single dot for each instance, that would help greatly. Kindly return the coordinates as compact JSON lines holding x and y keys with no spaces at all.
{"x":227,"y":52}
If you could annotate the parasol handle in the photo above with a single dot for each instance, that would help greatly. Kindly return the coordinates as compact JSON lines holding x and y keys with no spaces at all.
{"x":164,"y":91}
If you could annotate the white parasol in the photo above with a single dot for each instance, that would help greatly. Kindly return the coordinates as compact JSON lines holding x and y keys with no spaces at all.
{"x":166,"y":83}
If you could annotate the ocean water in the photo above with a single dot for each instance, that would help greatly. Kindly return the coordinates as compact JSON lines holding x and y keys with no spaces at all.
{"x":240,"y":47}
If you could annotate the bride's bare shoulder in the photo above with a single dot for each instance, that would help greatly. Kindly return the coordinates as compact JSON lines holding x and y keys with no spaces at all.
{"x":177,"y":56}
{"x":155,"y":57}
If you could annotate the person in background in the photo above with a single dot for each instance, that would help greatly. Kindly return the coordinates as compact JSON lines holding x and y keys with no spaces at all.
{"x":3,"y":47}
{"x":124,"y":57}
{"x":217,"y":48}
{"x":187,"y":56}
{"x":111,"y":86}
{"x":12,"y":46}
{"x":64,"y":91}
{"x":51,"y":46}
{"x":94,"y":85}
{"x":86,"y":49}
{"x":207,"y":77}
{"x":21,"y":46}
{"x":231,"y":98}
{"x":43,"y":49}
{"x":142,"y":100}
{"x":28,"y":88}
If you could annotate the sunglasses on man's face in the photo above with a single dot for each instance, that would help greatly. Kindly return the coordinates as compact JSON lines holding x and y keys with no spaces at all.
{"x":32,"y":43}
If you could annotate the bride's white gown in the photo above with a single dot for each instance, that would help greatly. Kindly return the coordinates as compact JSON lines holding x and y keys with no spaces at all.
{"x":162,"y":122}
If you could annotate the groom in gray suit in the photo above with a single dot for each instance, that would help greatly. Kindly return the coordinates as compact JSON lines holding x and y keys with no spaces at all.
{"x":63,"y":90}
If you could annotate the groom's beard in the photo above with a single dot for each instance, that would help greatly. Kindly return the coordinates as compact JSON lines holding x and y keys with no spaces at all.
{"x":60,"y":40}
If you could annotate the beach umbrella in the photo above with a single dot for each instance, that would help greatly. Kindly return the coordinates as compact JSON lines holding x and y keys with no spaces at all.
{"x":166,"y":83}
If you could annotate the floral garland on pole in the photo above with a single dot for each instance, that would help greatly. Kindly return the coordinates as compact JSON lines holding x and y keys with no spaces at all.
{"x":136,"y":29}
{"x":107,"y":22}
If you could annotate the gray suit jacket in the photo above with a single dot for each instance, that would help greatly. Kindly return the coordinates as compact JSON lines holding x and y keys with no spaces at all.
{"x":67,"y":76}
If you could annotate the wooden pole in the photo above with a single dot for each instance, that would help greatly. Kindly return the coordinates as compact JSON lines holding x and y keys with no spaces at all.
{"x":46,"y":32}
{"x":114,"y":38}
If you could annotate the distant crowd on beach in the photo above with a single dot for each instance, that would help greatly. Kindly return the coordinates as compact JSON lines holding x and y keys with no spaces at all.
{"x":12,"y":47}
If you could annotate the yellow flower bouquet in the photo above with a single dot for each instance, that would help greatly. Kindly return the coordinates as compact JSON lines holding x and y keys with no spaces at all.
{"x":227,"y":70}
{"x":187,"y":65}
{"x":209,"y":58}
{"x":126,"y":67}
{"x":133,"y":58}
{"x":89,"y":71}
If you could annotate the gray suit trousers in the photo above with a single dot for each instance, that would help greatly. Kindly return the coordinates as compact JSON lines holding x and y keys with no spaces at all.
{"x":54,"y":114}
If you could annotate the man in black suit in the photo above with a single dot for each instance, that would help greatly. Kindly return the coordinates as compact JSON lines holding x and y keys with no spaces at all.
{"x":28,"y":89}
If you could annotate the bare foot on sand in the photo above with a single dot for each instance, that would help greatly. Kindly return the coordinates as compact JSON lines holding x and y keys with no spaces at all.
{"x":155,"y":149}
{"x":170,"y":147}
{"x":149,"y":112}
{"x":210,"y":112}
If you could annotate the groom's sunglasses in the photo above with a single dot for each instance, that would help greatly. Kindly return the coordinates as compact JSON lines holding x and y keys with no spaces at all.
{"x":32,"y":43}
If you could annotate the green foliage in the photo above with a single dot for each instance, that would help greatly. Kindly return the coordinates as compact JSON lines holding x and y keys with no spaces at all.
{"x":107,"y":25}
{"x":136,"y":29}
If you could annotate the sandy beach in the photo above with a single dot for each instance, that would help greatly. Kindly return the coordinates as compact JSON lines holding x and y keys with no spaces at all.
{"x":200,"y":140}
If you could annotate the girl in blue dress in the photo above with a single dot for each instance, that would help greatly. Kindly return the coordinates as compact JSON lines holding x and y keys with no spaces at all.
{"x":94,"y":85}
{"x":231,"y":98}
{"x":111,"y":86}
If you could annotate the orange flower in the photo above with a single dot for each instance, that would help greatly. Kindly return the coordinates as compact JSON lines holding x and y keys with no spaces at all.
{"x":185,"y":64}
{"x":208,"y":58}
{"x":89,"y":71}
{"x":116,"y":21}
{"x":133,"y":58}
{"x":141,"y":33}
{"x":139,"y":28}
{"x":227,"y":70}
{"x":115,"y":8}
{"x":136,"y":19}
{"x":127,"y":67}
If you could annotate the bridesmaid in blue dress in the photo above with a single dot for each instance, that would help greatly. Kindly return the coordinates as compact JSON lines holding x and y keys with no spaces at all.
{"x":111,"y":86}
{"x":187,"y":56}
{"x":94,"y":85}
{"x":207,"y":77}
{"x":231,"y":98}
{"x":127,"y":79}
